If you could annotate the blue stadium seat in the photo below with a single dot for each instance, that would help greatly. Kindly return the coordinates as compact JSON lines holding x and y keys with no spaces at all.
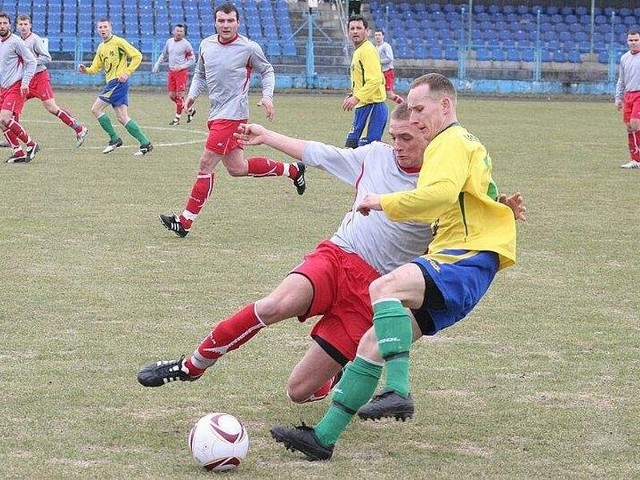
{"x":528,"y":55}
{"x":273,"y":49}
{"x":545,"y":56}
{"x":559,"y":56}
{"x":513,"y":55}
{"x":583,"y":47}
{"x":603,"y":57}
{"x":498,"y":55}
{"x":483,"y":54}
{"x":451,"y":53}
{"x":289,"y":48}
{"x":574,"y":57}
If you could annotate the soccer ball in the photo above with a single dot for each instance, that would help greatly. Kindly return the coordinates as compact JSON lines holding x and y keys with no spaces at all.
{"x":218,"y":441}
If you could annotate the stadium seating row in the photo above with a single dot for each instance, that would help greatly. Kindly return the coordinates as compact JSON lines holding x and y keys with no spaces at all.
{"x":494,"y":32}
{"x":418,"y":30}
{"x":148,"y":23}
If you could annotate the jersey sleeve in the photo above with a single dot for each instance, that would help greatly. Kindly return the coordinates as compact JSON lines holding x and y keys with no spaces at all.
{"x":439,"y":185}
{"x":199,"y":80}
{"x":343,"y":163}
{"x":43,"y":56}
{"x":261,"y":65}
{"x":133,"y":54}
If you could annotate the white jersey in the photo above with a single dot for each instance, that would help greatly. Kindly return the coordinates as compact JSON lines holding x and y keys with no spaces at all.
{"x":628,"y":75}
{"x":383,"y":244}
{"x":17,"y":62}
{"x":37,"y":46}
{"x":178,"y":54}
{"x":224,"y":71}
{"x":386,"y":56}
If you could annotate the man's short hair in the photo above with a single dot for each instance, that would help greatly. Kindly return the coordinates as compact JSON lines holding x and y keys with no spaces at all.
{"x":633,"y":31}
{"x":5,"y":15}
{"x":439,"y":85}
{"x":358,"y":18}
{"x":23,"y":17}
{"x":379,"y":30}
{"x":401,"y":112}
{"x":226,"y":8}
{"x":104,"y":19}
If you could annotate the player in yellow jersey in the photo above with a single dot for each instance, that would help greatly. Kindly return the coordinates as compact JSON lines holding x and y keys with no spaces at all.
{"x":119,"y":59}
{"x":475,"y":236}
{"x":368,"y":95}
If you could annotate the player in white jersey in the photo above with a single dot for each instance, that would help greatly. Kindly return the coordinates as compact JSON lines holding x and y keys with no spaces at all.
{"x":178,"y":52}
{"x":627,"y":97}
{"x":333,"y":280}
{"x":225,"y":63}
{"x":40,"y":85}
{"x":17,"y":67}
{"x":386,"y":60}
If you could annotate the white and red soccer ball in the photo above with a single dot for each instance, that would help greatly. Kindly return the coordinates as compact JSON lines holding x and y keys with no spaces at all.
{"x":218,"y":441}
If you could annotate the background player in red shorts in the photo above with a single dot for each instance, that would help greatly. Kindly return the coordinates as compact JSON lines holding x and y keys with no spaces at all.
{"x":225,"y":63}
{"x":40,"y":85}
{"x":386,"y":60}
{"x":17,"y":67}
{"x":178,"y":52}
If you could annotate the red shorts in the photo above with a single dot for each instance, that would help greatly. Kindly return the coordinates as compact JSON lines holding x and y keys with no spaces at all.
{"x":40,"y":86}
{"x":11,"y":98}
{"x":177,"y":80}
{"x":389,"y":79}
{"x":341,"y":295}
{"x":631,"y":106}
{"x":221,"y":139}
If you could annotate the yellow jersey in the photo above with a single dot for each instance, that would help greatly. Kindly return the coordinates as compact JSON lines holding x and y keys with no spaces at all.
{"x":116,"y":56}
{"x":367,"y":80}
{"x":455,"y":192}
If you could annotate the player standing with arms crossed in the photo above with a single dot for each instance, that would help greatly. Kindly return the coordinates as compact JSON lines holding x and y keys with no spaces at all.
{"x":17,"y":67}
{"x":178,"y":52}
{"x":224,"y":66}
{"x":40,"y":85}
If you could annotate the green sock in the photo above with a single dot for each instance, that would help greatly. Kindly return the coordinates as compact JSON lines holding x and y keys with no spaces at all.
{"x":107,"y":126}
{"x":393,"y":329}
{"x":354,"y":390}
{"x":134,"y":129}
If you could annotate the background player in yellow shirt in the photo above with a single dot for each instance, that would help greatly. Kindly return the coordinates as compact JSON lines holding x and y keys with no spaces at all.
{"x":475,"y":236}
{"x":119,"y":59}
{"x":368,"y":92}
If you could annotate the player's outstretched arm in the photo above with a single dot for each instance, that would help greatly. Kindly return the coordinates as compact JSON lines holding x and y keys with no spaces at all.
{"x":254,"y":134}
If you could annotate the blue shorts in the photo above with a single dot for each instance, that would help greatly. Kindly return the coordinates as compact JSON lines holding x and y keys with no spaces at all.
{"x":374,"y":113}
{"x":461,"y":278}
{"x":115,"y":93}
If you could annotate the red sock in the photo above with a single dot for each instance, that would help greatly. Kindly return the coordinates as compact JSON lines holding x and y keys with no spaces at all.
{"x":225,"y":336}
{"x":634,"y":145}
{"x":398,"y":99}
{"x":20,"y":132}
{"x":67,"y":119}
{"x":322,"y":392}
{"x":265,"y":167}
{"x":179,"y":101}
{"x":199,"y":194}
